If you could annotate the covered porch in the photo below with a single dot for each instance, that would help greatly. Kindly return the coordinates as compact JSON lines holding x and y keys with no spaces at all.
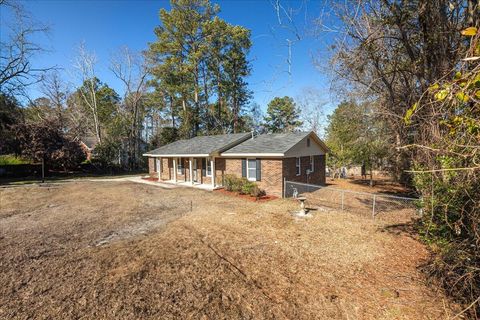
{"x":194,"y":171}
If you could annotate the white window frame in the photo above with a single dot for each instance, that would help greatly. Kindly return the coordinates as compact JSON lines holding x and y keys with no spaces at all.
{"x":298,"y":165}
{"x":248,"y":176}
{"x":312,"y":164}
{"x":207,"y":165}
{"x":179,"y":166}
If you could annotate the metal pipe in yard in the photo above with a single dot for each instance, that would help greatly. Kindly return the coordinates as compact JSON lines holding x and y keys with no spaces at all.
{"x":373,"y":207}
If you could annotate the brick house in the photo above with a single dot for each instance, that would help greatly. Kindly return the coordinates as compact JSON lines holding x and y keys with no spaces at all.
{"x":267,"y":159}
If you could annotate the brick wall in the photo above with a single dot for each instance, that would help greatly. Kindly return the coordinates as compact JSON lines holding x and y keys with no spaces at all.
{"x":151,"y":168}
{"x":271,"y":180}
{"x":316,"y":177}
{"x":273,"y":171}
{"x":272,"y":176}
{"x":167,"y":169}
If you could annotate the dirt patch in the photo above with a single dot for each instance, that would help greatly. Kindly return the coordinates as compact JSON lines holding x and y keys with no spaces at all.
{"x":382,"y":184}
{"x":123,"y":250}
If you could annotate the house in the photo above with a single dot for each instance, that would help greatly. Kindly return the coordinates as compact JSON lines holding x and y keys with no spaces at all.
{"x":267,"y":159}
{"x":88,"y":144}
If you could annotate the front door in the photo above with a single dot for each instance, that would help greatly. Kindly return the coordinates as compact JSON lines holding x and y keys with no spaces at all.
{"x":195,"y":170}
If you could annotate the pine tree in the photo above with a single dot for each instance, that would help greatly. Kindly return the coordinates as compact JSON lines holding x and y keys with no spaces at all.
{"x":282,"y":115}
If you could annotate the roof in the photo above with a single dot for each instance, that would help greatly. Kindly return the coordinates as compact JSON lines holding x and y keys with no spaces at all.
{"x":272,"y":143}
{"x":201,"y":145}
{"x":89,"y":141}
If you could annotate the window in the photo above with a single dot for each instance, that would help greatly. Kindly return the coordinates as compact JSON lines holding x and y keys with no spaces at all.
{"x":312,"y":166}
{"x":252,"y":169}
{"x":180,"y":165}
{"x":209,"y":167}
{"x":297,"y":166}
{"x":308,"y":142}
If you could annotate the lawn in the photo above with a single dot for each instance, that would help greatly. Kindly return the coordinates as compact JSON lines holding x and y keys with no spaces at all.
{"x":120,"y":250}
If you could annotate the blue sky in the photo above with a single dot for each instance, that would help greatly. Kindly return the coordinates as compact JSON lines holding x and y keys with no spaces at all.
{"x":107,"y":25}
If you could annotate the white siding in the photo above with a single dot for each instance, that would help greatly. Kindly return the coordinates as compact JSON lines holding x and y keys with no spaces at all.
{"x":301,"y":149}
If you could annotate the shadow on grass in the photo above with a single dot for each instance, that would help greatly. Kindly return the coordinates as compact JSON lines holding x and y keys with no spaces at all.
{"x":62,"y":176}
{"x":407,"y":228}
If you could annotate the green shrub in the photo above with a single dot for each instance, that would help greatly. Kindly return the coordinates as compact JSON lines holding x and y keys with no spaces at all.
{"x":229,"y":182}
{"x":243,"y":186}
{"x":233,"y":183}
{"x":257,"y":192}
{"x":248,"y":186}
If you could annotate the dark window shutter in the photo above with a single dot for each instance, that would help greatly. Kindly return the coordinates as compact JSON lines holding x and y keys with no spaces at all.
{"x":259,"y":170}
{"x":244,"y":168}
{"x":204,"y":168}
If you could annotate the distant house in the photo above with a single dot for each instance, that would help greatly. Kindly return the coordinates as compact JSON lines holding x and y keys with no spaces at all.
{"x":88,"y":144}
{"x":267,"y":159}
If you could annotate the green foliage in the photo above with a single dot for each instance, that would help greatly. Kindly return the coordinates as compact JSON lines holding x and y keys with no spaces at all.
{"x":10,"y":159}
{"x":242,"y":186}
{"x":199,"y":68}
{"x":282,"y":115}
{"x":10,"y":114}
{"x":247,"y":187}
{"x":105,"y":154}
{"x":233,"y":183}
{"x":257,"y":192}
{"x":164,"y":136}
{"x":451,"y":194}
{"x":355,"y":136}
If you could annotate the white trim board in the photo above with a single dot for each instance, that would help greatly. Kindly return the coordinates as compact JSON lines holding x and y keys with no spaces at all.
{"x":244,"y":155}
{"x":176,"y":155}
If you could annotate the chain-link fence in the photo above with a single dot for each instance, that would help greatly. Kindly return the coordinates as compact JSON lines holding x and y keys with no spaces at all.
{"x":372,"y":204}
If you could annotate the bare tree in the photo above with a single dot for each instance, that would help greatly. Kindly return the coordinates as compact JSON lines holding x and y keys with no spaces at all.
{"x":130,"y":68}
{"x":17,"y":50}
{"x":311,"y":104}
{"x":85,"y":66}
{"x":57,"y":92}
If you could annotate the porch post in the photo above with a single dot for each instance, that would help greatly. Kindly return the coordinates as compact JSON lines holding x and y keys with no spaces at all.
{"x":159,"y":168}
{"x":190,"y":160}
{"x":175,"y":169}
{"x":213,"y":171}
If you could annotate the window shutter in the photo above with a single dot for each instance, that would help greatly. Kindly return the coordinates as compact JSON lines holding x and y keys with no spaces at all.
{"x":259,"y":170}
{"x":244,"y":168}
{"x":204,"y":168}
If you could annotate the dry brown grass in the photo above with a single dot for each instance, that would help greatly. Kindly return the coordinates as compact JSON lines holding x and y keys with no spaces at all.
{"x":122,"y":250}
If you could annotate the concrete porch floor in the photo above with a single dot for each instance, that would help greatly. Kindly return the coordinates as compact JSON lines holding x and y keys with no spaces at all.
{"x":197,"y":185}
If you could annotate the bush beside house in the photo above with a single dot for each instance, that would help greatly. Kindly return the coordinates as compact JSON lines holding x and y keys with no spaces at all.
{"x":243,"y":186}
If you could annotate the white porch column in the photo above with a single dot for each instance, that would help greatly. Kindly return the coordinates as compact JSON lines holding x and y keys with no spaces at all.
{"x":175,"y":169}
{"x":213,"y":171}
{"x":190,"y":160}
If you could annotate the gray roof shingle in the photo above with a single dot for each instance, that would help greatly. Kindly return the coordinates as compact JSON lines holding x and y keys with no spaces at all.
{"x":268,"y":143}
{"x":201,"y":144}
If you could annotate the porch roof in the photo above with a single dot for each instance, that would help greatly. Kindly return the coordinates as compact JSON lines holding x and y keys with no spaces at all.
{"x":201,"y":146}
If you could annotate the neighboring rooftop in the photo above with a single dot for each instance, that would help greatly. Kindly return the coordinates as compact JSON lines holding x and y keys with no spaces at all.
{"x":89,"y":141}
{"x":271,"y":143}
{"x":201,"y":145}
